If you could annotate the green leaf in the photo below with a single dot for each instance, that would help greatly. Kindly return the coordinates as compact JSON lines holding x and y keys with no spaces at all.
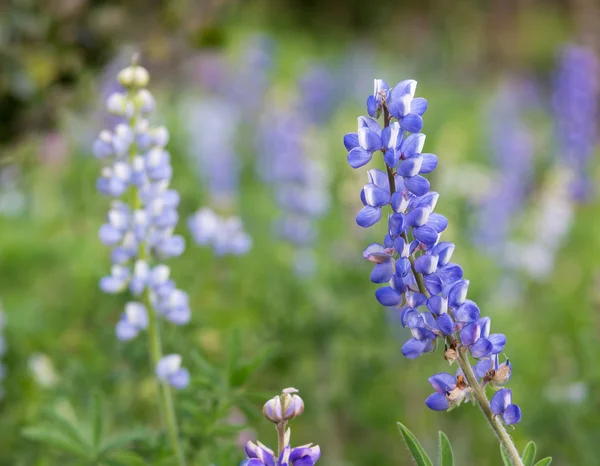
{"x":57,"y":439}
{"x":529,"y":454}
{"x":505,"y":457}
{"x":126,"y":458}
{"x":446,"y":454}
{"x":544,"y":462}
{"x":121,"y":440}
{"x":97,"y":420}
{"x":415,"y":448}
{"x":68,"y":427}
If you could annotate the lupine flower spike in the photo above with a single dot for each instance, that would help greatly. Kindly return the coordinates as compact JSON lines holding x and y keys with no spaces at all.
{"x":428,"y":291}
{"x":280,"y":410}
{"x":139,"y":229}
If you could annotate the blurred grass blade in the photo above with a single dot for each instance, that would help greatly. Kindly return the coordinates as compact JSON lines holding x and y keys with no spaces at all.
{"x":506,"y":460}
{"x":97,"y":420}
{"x":415,"y":448}
{"x":544,"y":462}
{"x":446,"y":455}
{"x":56,"y":438}
{"x":529,"y":454}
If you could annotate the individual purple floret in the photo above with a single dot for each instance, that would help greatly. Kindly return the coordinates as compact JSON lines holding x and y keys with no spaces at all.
{"x":427,"y":289}
{"x":280,"y":410}
{"x":576,"y":110}
{"x":169,"y":370}
{"x":502,"y":406}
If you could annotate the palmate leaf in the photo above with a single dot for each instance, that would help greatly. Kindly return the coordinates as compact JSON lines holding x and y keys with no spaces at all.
{"x":123,"y":439}
{"x":415,"y":448}
{"x":97,"y":420}
{"x":446,"y":454}
{"x":57,"y":439}
{"x":529,"y":454}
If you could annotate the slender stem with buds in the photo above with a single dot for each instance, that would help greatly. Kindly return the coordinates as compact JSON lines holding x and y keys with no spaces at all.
{"x":477,"y":391}
{"x":166,"y":406}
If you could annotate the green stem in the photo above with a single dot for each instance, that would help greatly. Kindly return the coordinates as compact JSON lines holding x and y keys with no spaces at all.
{"x":477,"y":391}
{"x":166,"y":406}
{"x":280,"y":438}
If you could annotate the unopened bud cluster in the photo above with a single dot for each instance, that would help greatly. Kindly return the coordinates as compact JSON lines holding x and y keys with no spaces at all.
{"x":284,"y":407}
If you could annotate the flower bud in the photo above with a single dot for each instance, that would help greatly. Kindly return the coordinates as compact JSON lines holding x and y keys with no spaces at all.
{"x":134,"y":76}
{"x":284,"y":407}
{"x":119,"y":105}
{"x":145,"y":101}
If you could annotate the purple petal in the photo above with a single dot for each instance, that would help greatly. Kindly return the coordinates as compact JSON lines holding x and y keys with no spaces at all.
{"x":109,"y":235}
{"x":437,"y":402}
{"x":429,"y":201}
{"x":372,"y":105}
{"x":375,"y":196}
{"x":373,"y":248}
{"x":412,"y":123}
{"x":433,"y":283}
{"x":412,"y":145}
{"x":414,"y":299}
{"x":417,"y":185}
{"x":411,"y":166}
{"x":458,"y":293}
{"x":481,"y":348}
{"x":501,"y":400}
{"x":414,"y":348}
{"x":512,"y":415}
{"x":466,"y":312}
{"x":358,"y":157}
{"x":485,"y":323}
{"x":396,"y":224}
{"x":450,"y":273}
{"x":351,"y":141}
{"x":369,"y":140}
{"x":426,"y":235}
{"x":391,"y":157}
{"x":444,"y":252}
{"x":430,"y":161}
{"x":368,"y":216}
{"x":438,"y":222}
{"x":382,"y":273}
{"x":482,"y":367}
{"x":417,"y":217}
{"x":180,"y":379}
{"x":445,"y":324}
{"x":470,"y":333}
{"x":426,"y":264}
{"x":498,"y":342}
{"x":418,"y":105}
{"x":379,"y":178}
{"x":442,"y":382}
{"x":388,"y":296}
{"x":437,"y":305}
{"x":364,"y":122}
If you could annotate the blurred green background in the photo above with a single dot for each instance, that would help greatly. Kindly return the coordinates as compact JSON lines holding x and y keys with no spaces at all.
{"x":324,"y":334}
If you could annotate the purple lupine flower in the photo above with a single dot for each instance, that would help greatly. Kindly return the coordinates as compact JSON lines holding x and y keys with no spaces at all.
{"x":139,"y":228}
{"x":576,"y":110}
{"x":501,"y":404}
{"x":280,"y":410}
{"x":428,"y":290}
{"x":225,"y":235}
{"x":512,"y":155}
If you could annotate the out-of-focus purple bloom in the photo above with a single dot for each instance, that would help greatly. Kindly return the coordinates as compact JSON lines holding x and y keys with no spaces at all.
{"x":512,"y":150}
{"x":169,"y":370}
{"x":143,"y":214}
{"x":576,"y":111}
{"x":428,"y":290}
{"x":225,"y":235}
{"x":319,"y":93}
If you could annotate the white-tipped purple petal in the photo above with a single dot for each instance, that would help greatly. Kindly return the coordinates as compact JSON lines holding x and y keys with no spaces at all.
{"x":109,"y":235}
{"x":364,"y":122}
{"x":444,"y":252}
{"x":426,"y":264}
{"x":426,"y":235}
{"x":167,"y":366}
{"x":375,"y":196}
{"x":411,"y":166}
{"x":388,"y":296}
{"x":418,"y":217}
{"x":437,"y":402}
{"x":372,"y":106}
{"x":125,"y":331}
{"x":450,"y":273}
{"x":511,"y":415}
{"x":374,"y":248}
{"x":470,"y":333}
{"x":458,"y":293}
{"x":180,"y":379}
{"x":358,"y":157}
{"x":412,"y":145}
{"x":391,"y":157}
{"x":379,"y":178}
{"x":437,"y":305}
{"x":369,"y":140}
{"x":501,"y":400}
{"x":486,"y":324}
{"x":368,"y":216}
{"x":429,"y":200}
{"x":412,"y":123}
{"x":438,"y":222}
